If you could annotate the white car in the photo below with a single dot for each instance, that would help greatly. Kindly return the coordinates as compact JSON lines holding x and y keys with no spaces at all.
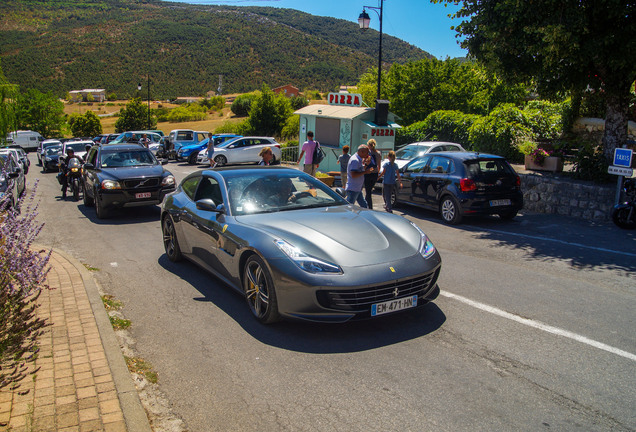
{"x":411,"y":151}
{"x":241,"y":150}
{"x":20,"y":157}
{"x":79,"y":147}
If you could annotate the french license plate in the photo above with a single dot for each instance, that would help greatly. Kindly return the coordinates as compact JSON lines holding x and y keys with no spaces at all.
{"x":393,"y":305}
{"x":143,"y":195}
{"x":501,"y":202}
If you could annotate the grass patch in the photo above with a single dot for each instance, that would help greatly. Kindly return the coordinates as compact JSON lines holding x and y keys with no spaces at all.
{"x":119,"y":323}
{"x":110,"y":304}
{"x":90,"y":268}
{"x":142,"y":367}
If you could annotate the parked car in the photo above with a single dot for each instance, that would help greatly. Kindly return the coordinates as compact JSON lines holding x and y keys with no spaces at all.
{"x":79,"y":147}
{"x":20,"y":155}
{"x":190,"y":152}
{"x":295,"y":248}
{"x":242,"y":150}
{"x":411,"y":151}
{"x":28,"y":140}
{"x":12,"y":181}
{"x":124,"y":175}
{"x":458,"y":184}
{"x":51,"y":158}
{"x":179,"y":138}
{"x":43,"y":145}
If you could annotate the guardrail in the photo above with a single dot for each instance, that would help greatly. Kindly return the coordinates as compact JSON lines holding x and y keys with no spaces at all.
{"x":289,"y":154}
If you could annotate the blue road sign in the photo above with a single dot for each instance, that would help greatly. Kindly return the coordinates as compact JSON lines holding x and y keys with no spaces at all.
{"x":622,"y":157}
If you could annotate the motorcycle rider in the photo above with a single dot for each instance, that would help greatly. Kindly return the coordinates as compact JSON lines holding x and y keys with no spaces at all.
{"x":70,"y":154}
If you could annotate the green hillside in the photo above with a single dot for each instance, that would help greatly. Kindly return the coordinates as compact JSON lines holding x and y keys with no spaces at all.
{"x":62,"y":45}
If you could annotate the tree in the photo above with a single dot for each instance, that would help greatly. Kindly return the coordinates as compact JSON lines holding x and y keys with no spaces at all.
{"x":134,"y":116}
{"x":8,"y":93}
{"x":87,"y":125}
{"x":419,"y":88}
{"x":43,"y":113}
{"x":269,"y":113}
{"x":564,"y":45}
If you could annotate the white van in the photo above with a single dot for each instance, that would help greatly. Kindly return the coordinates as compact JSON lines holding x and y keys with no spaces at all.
{"x":28,"y":140}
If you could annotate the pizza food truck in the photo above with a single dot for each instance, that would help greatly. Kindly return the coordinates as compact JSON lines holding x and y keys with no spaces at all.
{"x":345,"y":121}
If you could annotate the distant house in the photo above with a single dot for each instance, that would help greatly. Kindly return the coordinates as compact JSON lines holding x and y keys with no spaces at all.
{"x":97,"y":95}
{"x":188,"y":99}
{"x":288,"y":90}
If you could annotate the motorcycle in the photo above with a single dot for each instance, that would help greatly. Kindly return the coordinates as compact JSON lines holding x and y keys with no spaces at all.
{"x":624,"y":214}
{"x":73,"y":174}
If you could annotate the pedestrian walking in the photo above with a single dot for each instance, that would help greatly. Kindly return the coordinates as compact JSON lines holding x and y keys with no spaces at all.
{"x":343,"y":161}
{"x":210,"y":150}
{"x":390,"y":176}
{"x":371,"y":178}
{"x":308,"y":151}
{"x":355,"y":176}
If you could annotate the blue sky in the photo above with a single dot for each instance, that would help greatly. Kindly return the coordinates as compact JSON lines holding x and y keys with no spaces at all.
{"x":418,"y":22}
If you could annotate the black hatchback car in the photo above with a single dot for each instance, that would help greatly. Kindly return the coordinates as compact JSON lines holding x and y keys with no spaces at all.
{"x":458,"y":184}
{"x":124,"y":175}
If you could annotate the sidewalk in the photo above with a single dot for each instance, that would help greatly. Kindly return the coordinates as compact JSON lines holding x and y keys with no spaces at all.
{"x":82,"y":383}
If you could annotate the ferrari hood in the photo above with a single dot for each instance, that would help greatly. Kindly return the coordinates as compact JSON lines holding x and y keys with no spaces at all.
{"x":345,"y":234}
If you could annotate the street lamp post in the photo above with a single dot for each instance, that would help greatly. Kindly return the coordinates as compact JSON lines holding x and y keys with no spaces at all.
{"x":363,"y":21}
{"x":139,"y":89}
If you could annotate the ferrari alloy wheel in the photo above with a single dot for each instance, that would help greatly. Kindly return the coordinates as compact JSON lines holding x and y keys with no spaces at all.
{"x":259,"y":291}
{"x":170,"y":242}
{"x":220,"y":160}
{"x":449,"y":210}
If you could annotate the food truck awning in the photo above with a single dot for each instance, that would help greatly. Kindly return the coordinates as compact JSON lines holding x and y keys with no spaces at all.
{"x":334,"y":111}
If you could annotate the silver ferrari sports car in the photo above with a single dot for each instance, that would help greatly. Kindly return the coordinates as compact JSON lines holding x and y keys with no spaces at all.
{"x":295,"y":248}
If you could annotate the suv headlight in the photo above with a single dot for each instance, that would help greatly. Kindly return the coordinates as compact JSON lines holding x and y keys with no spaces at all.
{"x":306,"y":262}
{"x":168,"y":181}
{"x":110,"y":184}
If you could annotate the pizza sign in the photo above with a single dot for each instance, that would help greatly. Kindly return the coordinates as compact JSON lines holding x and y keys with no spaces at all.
{"x":348,"y":99}
{"x":382,"y":132}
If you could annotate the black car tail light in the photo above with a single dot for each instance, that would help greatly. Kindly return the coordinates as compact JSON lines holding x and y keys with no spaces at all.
{"x":518,"y":182}
{"x":467,"y":185}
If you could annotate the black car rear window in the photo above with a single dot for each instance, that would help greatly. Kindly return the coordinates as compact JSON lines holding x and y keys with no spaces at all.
{"x":486,"y":167}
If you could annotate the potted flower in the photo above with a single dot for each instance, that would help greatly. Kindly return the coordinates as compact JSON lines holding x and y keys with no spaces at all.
{"x":542,"y":160}
{"x":325,"y":178}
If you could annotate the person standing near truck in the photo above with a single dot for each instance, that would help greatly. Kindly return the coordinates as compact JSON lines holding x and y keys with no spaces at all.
{"x":210,"y":150}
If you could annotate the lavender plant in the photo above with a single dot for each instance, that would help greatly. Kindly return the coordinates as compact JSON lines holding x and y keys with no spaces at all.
{"x":22,"y":276}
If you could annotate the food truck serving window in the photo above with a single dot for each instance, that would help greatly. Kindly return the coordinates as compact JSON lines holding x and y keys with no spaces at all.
{"x":328,"y":131}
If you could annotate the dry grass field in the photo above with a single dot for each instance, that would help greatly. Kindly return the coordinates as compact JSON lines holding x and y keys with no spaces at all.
{"x":213,"y":121}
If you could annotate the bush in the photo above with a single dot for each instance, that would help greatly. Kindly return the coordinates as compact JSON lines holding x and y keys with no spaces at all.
{"x":590,"y":164}
{"x":22,"y":274}
{"x":449,"y":126}
{"x":499,"y":132}
{"x":546,"y":119}
{"x":184,"y":113}
{"x":232,"y":127}
{"x":242,"y":104}
{"x":298,"y":102}
{"x":291,"y":128}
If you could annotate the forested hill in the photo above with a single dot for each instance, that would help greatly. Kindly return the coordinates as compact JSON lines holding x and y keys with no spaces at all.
{"x":62,"y":45}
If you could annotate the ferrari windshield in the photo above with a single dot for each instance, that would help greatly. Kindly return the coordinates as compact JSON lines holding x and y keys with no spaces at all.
{"x":127,"y":158}
{"x":270,"y":191}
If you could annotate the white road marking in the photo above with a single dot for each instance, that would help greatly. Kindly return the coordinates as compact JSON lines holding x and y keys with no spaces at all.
{"x":557,"y":241}
{"x":539,"y":325}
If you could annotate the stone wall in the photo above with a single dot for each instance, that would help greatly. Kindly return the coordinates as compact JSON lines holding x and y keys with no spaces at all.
{"x":546,"y":194}
{"x":594,"y":128}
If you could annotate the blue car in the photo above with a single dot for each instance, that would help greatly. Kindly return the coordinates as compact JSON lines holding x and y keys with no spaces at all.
{"x":190,"y":152}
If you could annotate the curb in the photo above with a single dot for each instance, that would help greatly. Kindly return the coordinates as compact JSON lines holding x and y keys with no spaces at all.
{"x":133,"y":411}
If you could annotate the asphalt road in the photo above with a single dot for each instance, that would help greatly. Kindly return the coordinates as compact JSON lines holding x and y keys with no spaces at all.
{"x":533,"y":330}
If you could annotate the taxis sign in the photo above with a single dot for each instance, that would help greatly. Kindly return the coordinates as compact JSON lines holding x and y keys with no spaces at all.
{"x":622,"y":157}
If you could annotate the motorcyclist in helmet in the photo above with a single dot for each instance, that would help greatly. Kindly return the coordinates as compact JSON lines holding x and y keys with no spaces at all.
{"x":70,"y":154}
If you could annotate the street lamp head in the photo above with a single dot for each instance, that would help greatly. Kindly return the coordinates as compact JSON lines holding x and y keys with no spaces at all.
{"x":364,"y":20}
{"x":139,"y":86}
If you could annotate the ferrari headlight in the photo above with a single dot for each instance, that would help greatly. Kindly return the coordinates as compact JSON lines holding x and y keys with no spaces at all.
{"x":427,"y":249}
{"x":168,"y":181}
{"x":110,"y":184}
{"x":306,"y":262}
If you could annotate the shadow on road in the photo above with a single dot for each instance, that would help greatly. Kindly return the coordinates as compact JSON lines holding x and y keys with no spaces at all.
{"x":123,"y":216}
{"x":545,"y":237}
{"x":315,"y":338}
